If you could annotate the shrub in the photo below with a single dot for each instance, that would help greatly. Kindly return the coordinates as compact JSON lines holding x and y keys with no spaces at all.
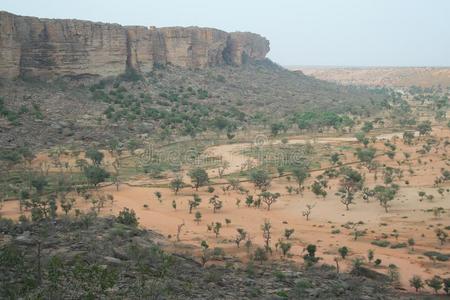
{"x":127,"y":217}
{"x":300,"y":288}
{"x":439,"y":256}
{"x":398,"y":245}
{"x":381,"y":243}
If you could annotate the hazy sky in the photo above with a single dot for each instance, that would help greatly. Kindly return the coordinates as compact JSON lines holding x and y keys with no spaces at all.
{"x":312,"y":32}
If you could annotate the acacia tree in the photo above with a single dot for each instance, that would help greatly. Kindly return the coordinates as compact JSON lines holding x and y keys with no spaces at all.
{"x":288,"y":233}
{"x":416,"y":282}
{"x":206,"y":254}
{"x":194,"y":202}
{"x":318,"y":188}
{"x":269,"y":198}
{"x":285,"y":247}
{"x":242,"y":234}
{"x":67,"y":204}
{"x":95,"y":156}
{"x":335,"y":158}
{"x":308,"y":210}
{"x":216,"y":228}
{"x":222,"y":168}
{"x":267,"y":235}
{"x":115,"y":150}
{"x":385,"y":195}
{"x":343,"y":251}
{"x":435,"y":283}
{"x":351,"y":182}
{"x":300,"y":174}
{"x":424,"y":128}
{"x":199,"y":177}
{"x":361,"y":137}
{"x":260,"y":178}
{"x":408,"y":137}
{"x":366,"y":155}
{"x":441,"y":236}
{"x":95,"y":175}
{"x":177,"y":184}
{"x":198,"y":217}
{"x":216,"y":203}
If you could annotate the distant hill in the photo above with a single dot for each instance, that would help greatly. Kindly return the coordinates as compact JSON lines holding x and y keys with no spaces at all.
{"x":382,"y":76}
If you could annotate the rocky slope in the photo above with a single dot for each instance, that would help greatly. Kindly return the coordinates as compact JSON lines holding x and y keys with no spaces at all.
{"x":97,"y":258}
{"x":42,"y":114}
{"x":32,"y":46}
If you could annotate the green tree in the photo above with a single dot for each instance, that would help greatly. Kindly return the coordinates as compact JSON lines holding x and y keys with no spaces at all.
{"x":95,"y":156}
{"x":285,"y":247}
{"x":242,"y":234}
{"x":216,"y":203}
{"x":199,"y":177}
{"x":368,"y":126}
{"x":95,"y":175}
{"x":198,"y":217}
{"x":260,"y":178}
{"x":216,"y":228}
{"x":424,"y":128}
{"x":177,"y":184}
{"x":288,"y":233}
{"x":361,"y":137}
{"x":435,"y":283}
{"x":385,"y":195}
{"x":300,"y":174}
{"x":158,"y":196}
{"x":366,"y":155}
{"x":260,"y":255}
{"x":127,"y":217}
{"x":416,"y":282}
{"x":408,"y":137}
{"x":194,"y":202}
{"x":267,"y":235}
{"x":343,"y":251}
{"x":351,"y":182}
{"x":441,"y":236}
{"x":269,"y":198}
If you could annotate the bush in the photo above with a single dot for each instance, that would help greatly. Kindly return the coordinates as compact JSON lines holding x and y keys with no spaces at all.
{"x":398,"y":245}
{"x":127,"y":217}
{"x":300,"y":288}
{"x":381,"y":243}
{"x":6,"y":225}
{"x":439,"y":256}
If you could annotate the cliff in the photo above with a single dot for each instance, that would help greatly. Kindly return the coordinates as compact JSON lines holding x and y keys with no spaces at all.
{"x":33,"y":47}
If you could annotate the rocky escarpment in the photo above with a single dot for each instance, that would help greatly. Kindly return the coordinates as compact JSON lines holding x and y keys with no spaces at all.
{"x":32,"y":46}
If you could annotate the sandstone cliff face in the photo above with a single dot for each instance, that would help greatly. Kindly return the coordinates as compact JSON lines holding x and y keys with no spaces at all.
{"x":42,"y":47}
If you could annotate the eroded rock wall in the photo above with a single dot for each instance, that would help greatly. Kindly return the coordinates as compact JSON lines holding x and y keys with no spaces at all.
{"x":32,"y":46}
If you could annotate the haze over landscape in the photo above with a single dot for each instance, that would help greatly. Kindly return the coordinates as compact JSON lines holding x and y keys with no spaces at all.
{"x":224,"y":150}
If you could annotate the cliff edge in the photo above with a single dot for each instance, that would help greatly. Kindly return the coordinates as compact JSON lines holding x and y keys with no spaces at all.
{"x":31,"y":47}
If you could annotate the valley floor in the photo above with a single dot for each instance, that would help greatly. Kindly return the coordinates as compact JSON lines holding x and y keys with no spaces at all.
{"x":328,"y":226}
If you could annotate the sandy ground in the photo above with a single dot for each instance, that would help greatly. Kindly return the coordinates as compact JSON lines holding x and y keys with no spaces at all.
{"x":407,"y":215}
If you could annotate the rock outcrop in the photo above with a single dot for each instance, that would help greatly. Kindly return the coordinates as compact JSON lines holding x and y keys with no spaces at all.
{"x":32,"y":46}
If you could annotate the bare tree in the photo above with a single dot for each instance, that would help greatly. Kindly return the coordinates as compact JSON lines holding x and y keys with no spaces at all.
{"x":308,"y":210}
{"x":179,"y":227}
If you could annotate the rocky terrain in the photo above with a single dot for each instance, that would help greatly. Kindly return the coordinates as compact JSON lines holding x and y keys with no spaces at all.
{"x":172,"y":101}
{"x":34,"y":47}
{"x":102,"y":258}
{"x":425,"y":77}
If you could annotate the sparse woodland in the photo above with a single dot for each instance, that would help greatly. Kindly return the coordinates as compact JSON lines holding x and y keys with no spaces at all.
{"x":246,"y":194}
